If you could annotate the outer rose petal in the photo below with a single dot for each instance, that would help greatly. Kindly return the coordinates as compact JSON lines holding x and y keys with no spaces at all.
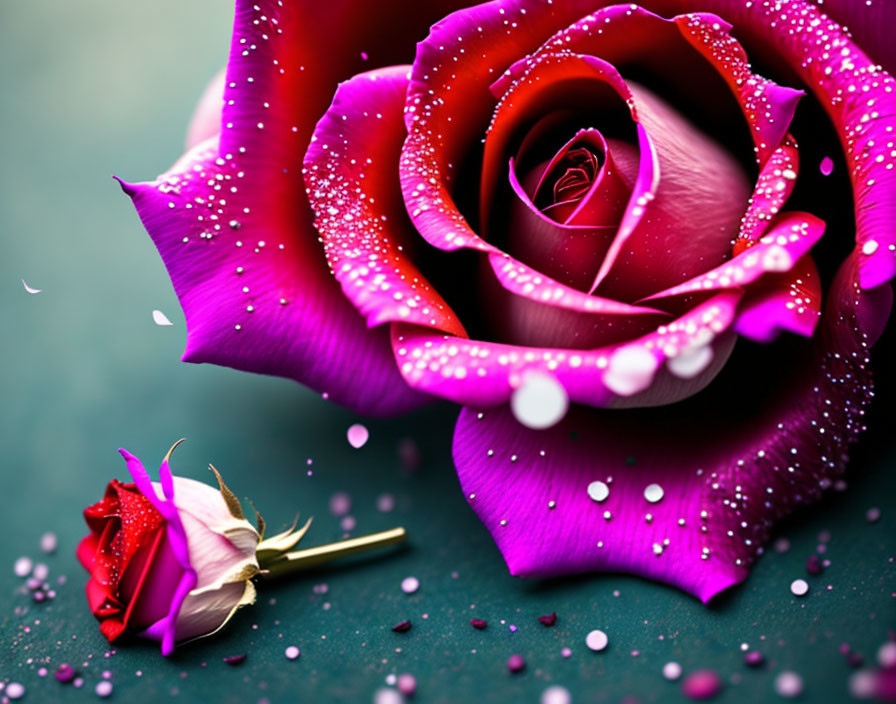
{"x":723,"y":486}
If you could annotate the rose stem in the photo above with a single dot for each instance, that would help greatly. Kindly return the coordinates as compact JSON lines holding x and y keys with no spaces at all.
{"x":303,"y":559}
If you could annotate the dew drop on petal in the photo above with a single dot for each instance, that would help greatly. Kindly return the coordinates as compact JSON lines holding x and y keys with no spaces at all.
{"x":630,"y":370}
{"x":826,"y":166}
{"x":596,"y":640}
{"x":690,"y":361}
{"x":540,"y":401}
{"x":653,"y":493}
{"x":598,"y":491}
{"x":357,"y":435}
{"x":29,"y":289}
{"x":160,"y":318}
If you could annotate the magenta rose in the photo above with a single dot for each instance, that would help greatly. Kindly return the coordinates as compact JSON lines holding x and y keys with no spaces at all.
{"x":604,"y":201}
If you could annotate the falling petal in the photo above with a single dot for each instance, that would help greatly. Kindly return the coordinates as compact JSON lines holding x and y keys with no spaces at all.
{"x":357,"y":435}
{"x":160,"y":318}
{"x":29,"y":289}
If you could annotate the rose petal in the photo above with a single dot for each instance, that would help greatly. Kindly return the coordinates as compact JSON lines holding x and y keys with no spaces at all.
{"x":871,"y":26}
{"x":790,"y":301}
{"x":483,"y":374}
{"x":724,"y":485}
{"x":351,"y":174}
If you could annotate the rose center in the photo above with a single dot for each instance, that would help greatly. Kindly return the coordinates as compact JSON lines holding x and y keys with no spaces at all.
{"x":570,"y":179}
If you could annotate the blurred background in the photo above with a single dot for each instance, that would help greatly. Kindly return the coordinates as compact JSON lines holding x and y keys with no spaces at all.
{"x":96,"y":88}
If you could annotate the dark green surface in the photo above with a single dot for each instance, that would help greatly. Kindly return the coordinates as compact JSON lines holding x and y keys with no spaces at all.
{"x":94,"y":87}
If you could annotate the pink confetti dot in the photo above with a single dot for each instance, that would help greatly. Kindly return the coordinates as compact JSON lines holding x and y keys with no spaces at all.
{"x":407,"y":684}
{"x":516,"y":663}
{"x":357,"y":435}
{"x":826,"y":166}
{"x":701,"y":684}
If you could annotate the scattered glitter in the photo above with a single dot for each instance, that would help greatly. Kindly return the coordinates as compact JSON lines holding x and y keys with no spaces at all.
{"x":410,"y":584}
{"x":29,"y":289}
{"x":872,"y":515}
{"x":672,"y":671}
{"x":292,"y":652}
{"x":800,"y":587}
{"x":402,"y":627}
{"x":701,"y":684}
{"x":548,"y":620}
{"x":235,"y":659}
{"x":103,"y":689}
{"x":357,"y":435}
{"x":22,"y":566}
{"x":407,"y":684}
{"x":598,"y":491}
{"x":478,"y":623}
{"x":48,"y":542}
{"x":340,"y":503}
{"x":14,"y":690}
{"x":516,"y":663}
{"x":385,"y":503}
{"x":826,"y":166}
{"x":754,"y":658}
{"x":540,"y":401}
{"x":653,"y":493}
{"x":789,"y":684}
{"x":556,"y":694}
{"x":596,"y":640}
{"x":160,"y":318}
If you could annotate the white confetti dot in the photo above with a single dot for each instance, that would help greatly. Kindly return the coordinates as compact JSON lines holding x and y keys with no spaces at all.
{"x":540,"y":401}
{"x":160,"y":318}
{"x":598,"y":491}
{"x":357,"y":435}
{"x":556,"y":694}
{"x":653,"y":493}
{"x":292,"y":652}
{"x":863,"y":684}
{"x":385,"y":695}
{"x":690,"y":361}
{"x":800,"y":587}
{"x":22,"y":566}
{"x":596,"y":640}
{"x":671,"y":671}
{"x":103,"y":689}
{"x":14,"y":690}
{"x":410,"y":584}
{"x":48,"y":542}
{"x":788,"y":684}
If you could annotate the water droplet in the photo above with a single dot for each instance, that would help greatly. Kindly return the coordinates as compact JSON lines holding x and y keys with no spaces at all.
{"x":653,"y":493}
{"x":598,"y":491}
{"x":540,"y":401}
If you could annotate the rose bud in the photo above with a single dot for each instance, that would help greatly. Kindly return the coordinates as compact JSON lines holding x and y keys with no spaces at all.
{"x":584,"y":222}
{"x":173,"y":560}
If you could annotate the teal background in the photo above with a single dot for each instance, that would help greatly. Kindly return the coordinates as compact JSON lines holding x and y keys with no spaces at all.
{"x":94,"y":88}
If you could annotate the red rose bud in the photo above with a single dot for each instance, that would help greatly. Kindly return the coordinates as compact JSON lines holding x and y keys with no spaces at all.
{"x":172,"y":560}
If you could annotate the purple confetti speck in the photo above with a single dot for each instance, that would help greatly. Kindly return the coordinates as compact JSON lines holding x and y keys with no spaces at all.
{"x":402,"y":627}
{"x":826,"y":166}
{"x":478,"y":623}
{"x":813,"y":565}
{"x":548,"y":620}
{"x":234,"y":660}
{"x":407,"y":684}
{"x":348,"y":523}
{"x":340,"y":503}
{"x":701,"y":684}
{"x":512,"y":628}
{"x":385,"y":503}
{"x":754,"y":658}
{"x":516,"y":663}
{"x":872,"y":515}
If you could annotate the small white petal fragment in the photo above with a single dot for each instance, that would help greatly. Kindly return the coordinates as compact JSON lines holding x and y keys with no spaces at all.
{"x":672,"y":671}
{"x":690,"y":361}
{"x":596,"y":640}
{"x":556,"y":694}
{"x":22,"y":567}
{"x":540,"y":401}
{"x":292,"y":652}
{"x":410,"y":584}
{"x":653,"y":493}
{"x":357,"y":435}
{"x":799,"y":587}
{"x":160,"y":318}
{"x":630,"y":370}
{"x":29,"y":289}
{"x":598,"y":491}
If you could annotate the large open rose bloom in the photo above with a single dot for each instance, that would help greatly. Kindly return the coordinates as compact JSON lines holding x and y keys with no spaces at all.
{"x":571,"y":188}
